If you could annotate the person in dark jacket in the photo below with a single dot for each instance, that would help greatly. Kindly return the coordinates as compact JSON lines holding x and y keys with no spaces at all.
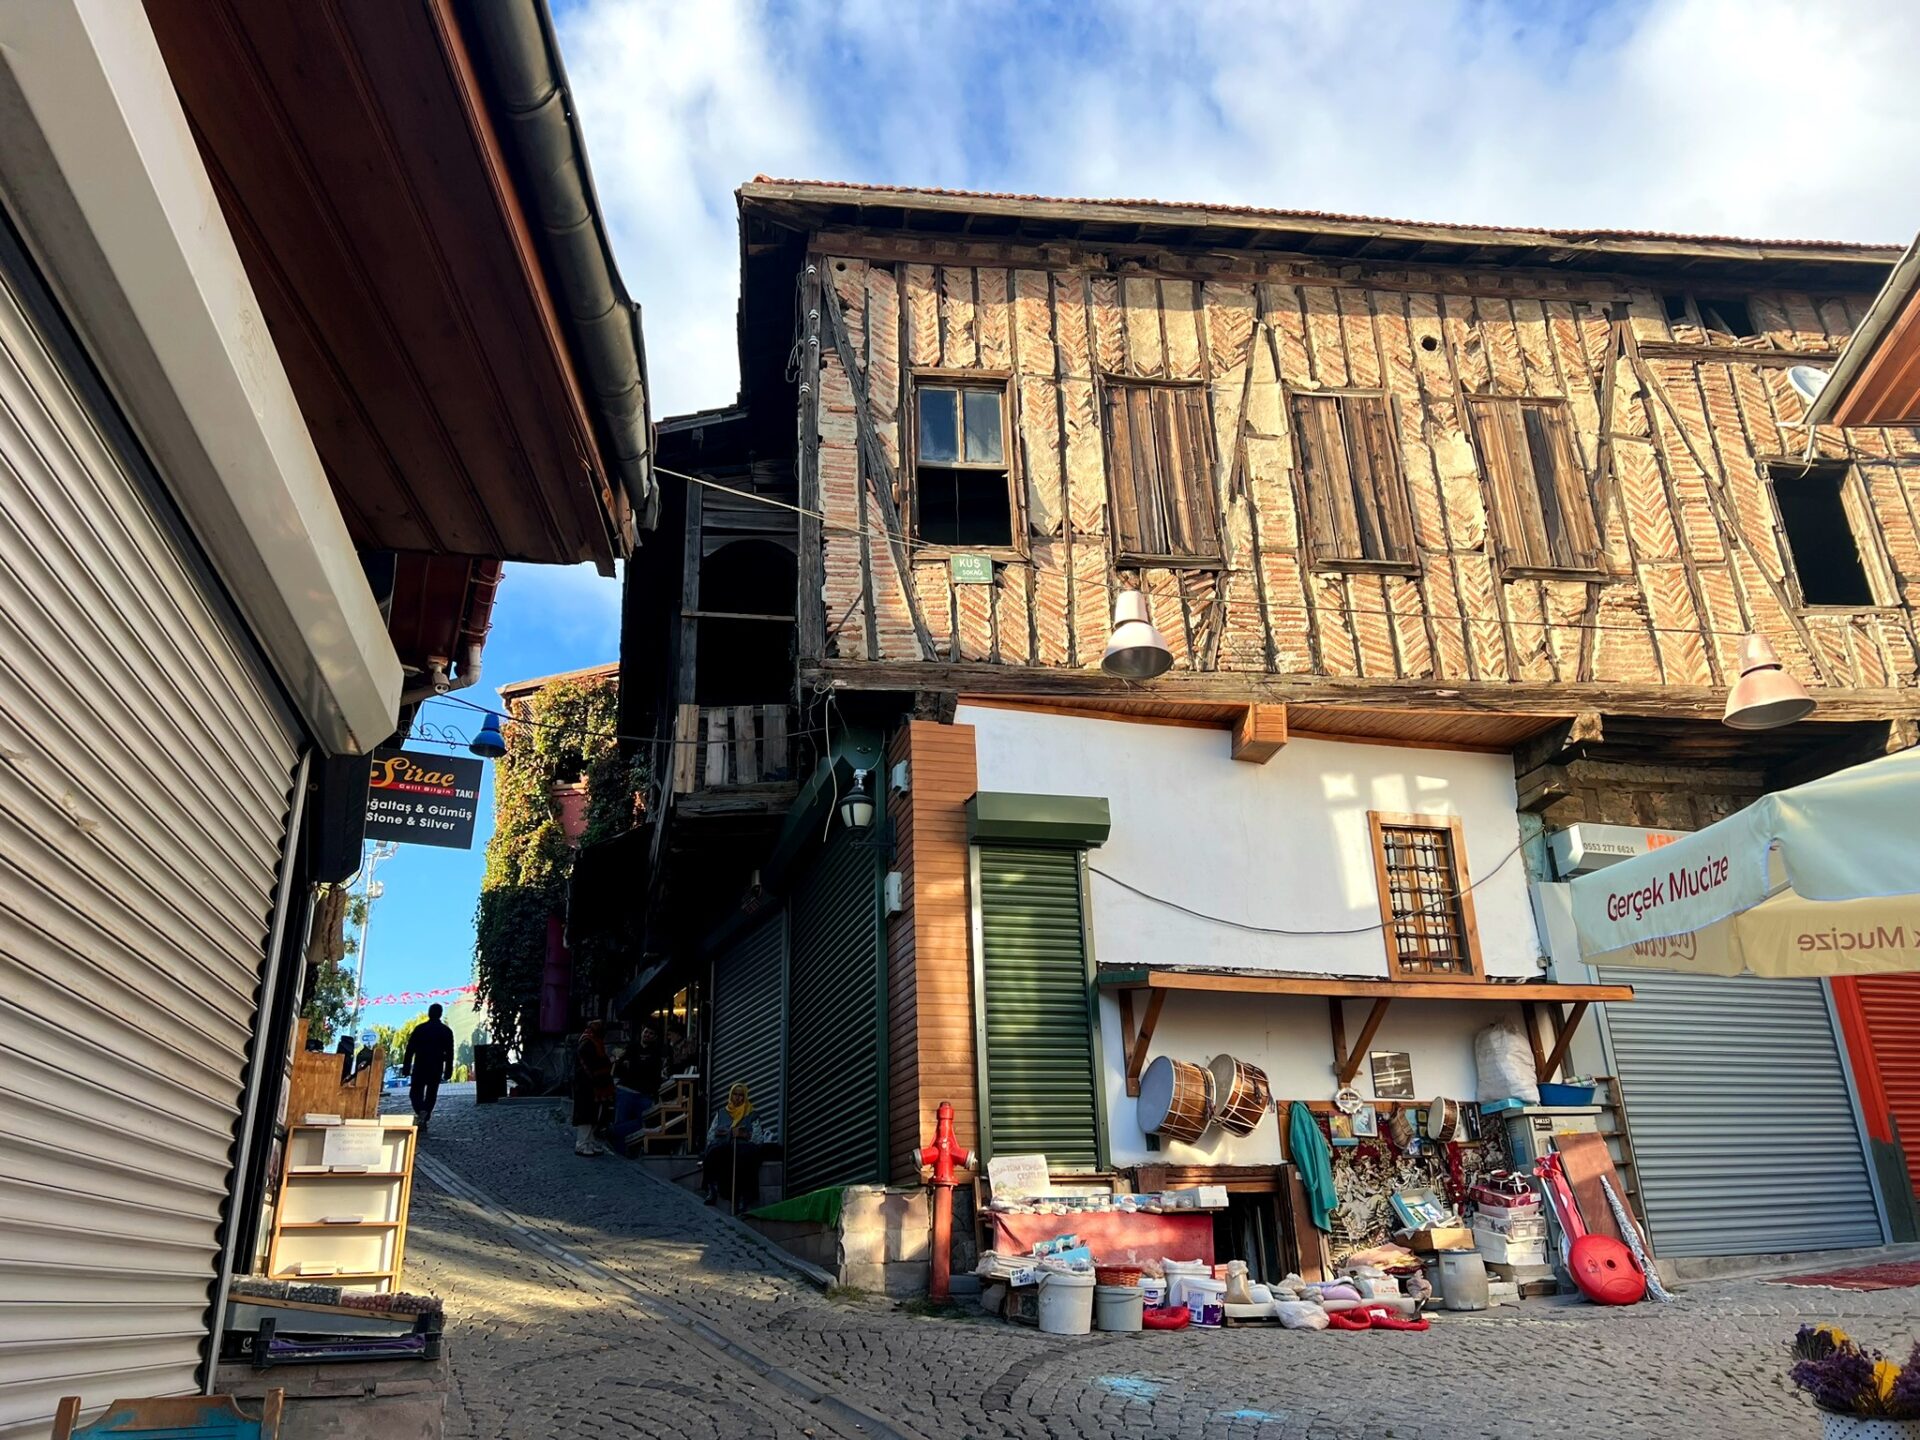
{"x":592,"y":1088}
{"x":429,"y":1060}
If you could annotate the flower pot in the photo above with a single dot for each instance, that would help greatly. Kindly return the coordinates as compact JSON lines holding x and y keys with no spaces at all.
{"x":1864,"y":1427}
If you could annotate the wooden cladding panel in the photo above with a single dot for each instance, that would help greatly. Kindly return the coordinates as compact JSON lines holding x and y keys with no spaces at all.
{"x":1170,"y":419}
{"x":930,"y":976}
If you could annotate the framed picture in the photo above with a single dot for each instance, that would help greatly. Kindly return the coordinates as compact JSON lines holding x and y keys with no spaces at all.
{"x":1392,"y":1074}
{"x":1366,"y":1124}
{"x":1341,"y":1126}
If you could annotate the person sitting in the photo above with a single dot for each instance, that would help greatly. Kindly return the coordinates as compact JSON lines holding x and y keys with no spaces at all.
{"x":736,"y":1144}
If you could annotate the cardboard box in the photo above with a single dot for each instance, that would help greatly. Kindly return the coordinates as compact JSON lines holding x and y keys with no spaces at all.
{"x":1439,"y":1237}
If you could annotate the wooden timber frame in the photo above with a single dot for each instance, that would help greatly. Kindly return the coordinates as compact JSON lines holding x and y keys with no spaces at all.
{"x":1140,"y":1017}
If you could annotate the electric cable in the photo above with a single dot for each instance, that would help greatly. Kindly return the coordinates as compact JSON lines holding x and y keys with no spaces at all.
{"x":1251,"y":929}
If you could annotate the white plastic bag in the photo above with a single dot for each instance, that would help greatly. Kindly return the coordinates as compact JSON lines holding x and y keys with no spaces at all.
{"x":1503,"y":1064}
{"x":1300,"y":1315}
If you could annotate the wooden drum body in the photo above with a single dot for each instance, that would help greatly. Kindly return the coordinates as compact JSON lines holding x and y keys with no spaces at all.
{"x":1175,"y":1099}
{"x":1241,"y":1094}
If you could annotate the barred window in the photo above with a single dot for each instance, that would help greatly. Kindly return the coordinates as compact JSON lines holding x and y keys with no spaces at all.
{"x":1426,"y":908}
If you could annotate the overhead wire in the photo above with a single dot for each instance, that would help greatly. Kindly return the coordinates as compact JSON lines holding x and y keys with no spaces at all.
{"x":1427,"y":909}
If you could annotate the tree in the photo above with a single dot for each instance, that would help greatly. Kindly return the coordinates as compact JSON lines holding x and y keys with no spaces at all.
{"x":393,"y":1038}
{"x":564,"y":736}
{"x":329,"y":1006}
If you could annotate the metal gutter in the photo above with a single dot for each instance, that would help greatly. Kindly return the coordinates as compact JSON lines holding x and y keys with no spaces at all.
{"x":1900,"y":291}
{"x":520,"y":58}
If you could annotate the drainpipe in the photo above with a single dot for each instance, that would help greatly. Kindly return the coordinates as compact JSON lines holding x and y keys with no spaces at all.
{"x":483,"y":583}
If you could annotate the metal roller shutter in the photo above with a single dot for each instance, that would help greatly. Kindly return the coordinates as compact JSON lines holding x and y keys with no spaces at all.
{"x":836,"y":1062}
{"x":1890,"y":1005}
{"x":1743,"y":1126}
{"x":749,"y":1019}
{"x":145,"y":765}
{"x":1034,"y":987}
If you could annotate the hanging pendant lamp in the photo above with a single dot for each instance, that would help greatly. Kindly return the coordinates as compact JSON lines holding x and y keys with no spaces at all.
{"x":1765,"y":696}
{"x":489,"y":744}
{"x":1137,"y":651}
{"x":856,"y":806}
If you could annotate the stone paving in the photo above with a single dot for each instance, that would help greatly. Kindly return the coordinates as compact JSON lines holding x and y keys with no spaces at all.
{"x":691,"y":1328}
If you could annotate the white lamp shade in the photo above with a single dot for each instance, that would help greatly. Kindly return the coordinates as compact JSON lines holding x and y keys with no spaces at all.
{"x":1137,"y":651}
{"x":1765,"y":696}
{"x":856,"y":807}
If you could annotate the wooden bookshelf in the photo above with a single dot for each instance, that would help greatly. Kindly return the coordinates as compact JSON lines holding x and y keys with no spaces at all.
{"x":368,"y":1250}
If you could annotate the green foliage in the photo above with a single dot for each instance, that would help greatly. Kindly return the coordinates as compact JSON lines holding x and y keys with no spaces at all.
{"x":329,"y":1007}
{"x":393,"y":1038}
{"x":567,"y":738}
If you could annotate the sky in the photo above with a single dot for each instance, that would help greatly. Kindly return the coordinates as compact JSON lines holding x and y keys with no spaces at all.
{"x":1745,"y":117}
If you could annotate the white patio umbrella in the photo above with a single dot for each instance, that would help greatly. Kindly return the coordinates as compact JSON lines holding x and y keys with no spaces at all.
{"x":1822,"y":879}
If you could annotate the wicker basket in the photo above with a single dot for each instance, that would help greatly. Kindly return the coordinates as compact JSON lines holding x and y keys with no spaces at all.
{"x":1126,"y":1275}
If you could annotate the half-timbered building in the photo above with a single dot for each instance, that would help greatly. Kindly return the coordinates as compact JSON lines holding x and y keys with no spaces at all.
{"x":1454,"y":534}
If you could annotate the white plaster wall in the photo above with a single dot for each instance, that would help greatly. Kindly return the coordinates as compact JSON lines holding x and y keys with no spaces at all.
{"x":1289,"y":1038}
{"x":1282,"y":845}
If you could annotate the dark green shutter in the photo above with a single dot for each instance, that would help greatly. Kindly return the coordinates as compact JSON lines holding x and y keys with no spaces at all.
{"x":835,"y":1061}
{"x":1039,"y":1029}
{"x":749,"y":1019}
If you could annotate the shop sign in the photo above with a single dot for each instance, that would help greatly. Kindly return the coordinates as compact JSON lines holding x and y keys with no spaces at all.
{"x":423,"y":799}
{"x":970,"y":569}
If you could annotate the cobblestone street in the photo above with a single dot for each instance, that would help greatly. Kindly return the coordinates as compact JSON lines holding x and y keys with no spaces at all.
{"x":587,"y":1299}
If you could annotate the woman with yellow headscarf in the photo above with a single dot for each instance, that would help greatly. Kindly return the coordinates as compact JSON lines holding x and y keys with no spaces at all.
{"x":736,"y":1145}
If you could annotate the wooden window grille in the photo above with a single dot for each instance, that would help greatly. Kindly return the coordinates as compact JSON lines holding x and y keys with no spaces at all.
{"x":1426,"y":907}
{"x":1543,"y":515}
{"x":1356,"y":493}
{"x":1160,"y":472}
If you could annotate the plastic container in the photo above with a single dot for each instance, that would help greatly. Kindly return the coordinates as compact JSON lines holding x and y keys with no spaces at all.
{"x":1510,"y":1249}
{"x":1117,"y":1307}
{"x":1066,"y":1302}
{"x":1566,"y":1094}
{"x":1153,"y":1291}
{"x":1190,"y":1290}
{"x":1463,"y":1280}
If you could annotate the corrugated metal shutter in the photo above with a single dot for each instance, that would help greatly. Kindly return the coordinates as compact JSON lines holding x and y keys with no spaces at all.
{"x":750,"y":1018}
{"x":835,"y":1059}
{"x":1743,"y":1127}
{"x":1039,"y":1033}
{"x":144,"y":775}
{"x":1891,"y":1005}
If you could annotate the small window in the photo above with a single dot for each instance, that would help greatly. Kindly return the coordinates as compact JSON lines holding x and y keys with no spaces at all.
{"x":1357,"y":509}
{"x":1426,"y":907}
{"x":962,"y":488}
{"x":1829,"y":532}
{"x":1160,"y":472}
{"x":1542,"y":506}
{"x":1727,"y":315}
{"x":1679,"y":309}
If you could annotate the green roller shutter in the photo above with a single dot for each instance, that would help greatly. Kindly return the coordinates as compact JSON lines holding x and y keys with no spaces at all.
{"x":1038,"y":1022}
{"x":836,"y":1063}
{"x":749,"y":1019}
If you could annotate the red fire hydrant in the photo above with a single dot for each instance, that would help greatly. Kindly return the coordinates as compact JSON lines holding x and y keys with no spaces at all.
{"x":944,"y":1156}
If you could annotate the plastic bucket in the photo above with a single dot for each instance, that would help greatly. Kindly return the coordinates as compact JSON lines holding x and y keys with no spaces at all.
{"x":1117,"y":1307}
{"x":1066,"y":1303}
{"x":1191,"y":1289}
{"x":1463,"y":1280}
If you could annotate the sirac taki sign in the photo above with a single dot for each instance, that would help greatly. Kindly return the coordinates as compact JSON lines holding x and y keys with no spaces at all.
{"x":423,"y":799}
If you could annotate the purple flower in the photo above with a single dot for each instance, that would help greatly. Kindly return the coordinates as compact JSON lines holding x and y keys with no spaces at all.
{"x":1842,"y":1381}
{"x":1905,"y":1400}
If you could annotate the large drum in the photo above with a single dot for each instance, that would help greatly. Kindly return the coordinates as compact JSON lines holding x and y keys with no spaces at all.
{"x":1175,"y":1099}
{"x":1240,"y":1094}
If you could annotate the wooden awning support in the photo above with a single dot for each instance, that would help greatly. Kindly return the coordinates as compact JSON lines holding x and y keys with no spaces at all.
{"x":1530,"y":994}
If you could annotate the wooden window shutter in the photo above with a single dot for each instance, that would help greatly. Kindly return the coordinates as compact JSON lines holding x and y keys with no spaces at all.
{"x":1502,"y":451}
{"x":1160,"y":472}
{"x":1356,"y":493}
{"x":1573,"y":535}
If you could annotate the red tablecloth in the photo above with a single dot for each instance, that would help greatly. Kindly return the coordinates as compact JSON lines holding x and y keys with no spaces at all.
{"x":1115,"y":1237}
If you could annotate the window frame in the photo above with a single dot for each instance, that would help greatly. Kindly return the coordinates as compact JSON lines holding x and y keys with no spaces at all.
{"x":1867,"y":538}
{"x":1214,"y":559}
{"x":1378,"y":823}
{"x":1694,"y":305}
{"x":949,"y":378}
{"x":1401,"y":491}
{"x":1513,"y":539}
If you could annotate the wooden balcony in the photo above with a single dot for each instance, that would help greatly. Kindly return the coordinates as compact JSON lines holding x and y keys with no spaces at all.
{"x":730,"y":745}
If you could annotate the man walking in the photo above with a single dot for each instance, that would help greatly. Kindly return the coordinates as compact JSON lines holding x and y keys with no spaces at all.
{"x":429,"y":1060}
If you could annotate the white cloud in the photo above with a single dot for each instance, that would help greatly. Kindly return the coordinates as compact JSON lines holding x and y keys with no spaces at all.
{"x":1750,"y":117}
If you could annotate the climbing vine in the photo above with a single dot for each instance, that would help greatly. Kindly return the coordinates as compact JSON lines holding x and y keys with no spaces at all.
{"x":566,"y":738}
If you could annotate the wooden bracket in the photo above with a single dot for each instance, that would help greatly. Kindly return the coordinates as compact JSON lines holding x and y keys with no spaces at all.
{"x":1137,"y":1043}
{"x":1259,"y":733}
{"x":1346,"y":1064}
{"x":1563,"y":1037}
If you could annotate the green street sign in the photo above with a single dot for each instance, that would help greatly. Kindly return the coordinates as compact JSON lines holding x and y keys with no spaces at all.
{"x":970,"y":569}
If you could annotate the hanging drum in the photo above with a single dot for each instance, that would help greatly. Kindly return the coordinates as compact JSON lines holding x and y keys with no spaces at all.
{"x":1175,"y":1099}
{"x":1240,"y":1094}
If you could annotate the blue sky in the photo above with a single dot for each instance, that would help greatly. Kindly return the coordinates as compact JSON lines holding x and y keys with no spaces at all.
{"x":1711,"y":116}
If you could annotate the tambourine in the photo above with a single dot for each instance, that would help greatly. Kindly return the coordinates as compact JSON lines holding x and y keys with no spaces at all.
{"x":1443,"y":1120}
